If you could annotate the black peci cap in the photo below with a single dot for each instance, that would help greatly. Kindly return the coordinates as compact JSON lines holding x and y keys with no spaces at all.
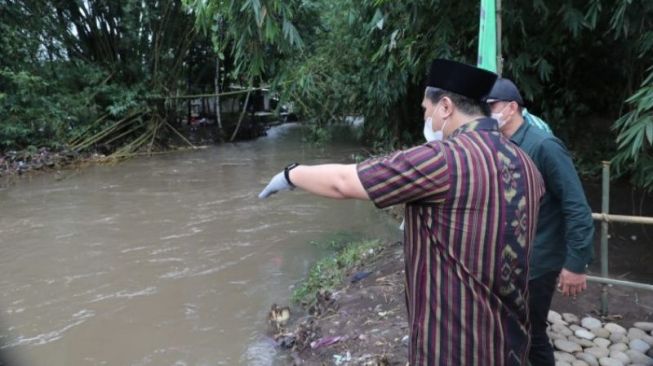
{"x":459,"y":78}
{"x":505,"y":90}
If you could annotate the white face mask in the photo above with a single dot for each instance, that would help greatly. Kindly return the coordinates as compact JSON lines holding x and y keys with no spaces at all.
{"x":429,"y":134}
{"x":499,"y":117}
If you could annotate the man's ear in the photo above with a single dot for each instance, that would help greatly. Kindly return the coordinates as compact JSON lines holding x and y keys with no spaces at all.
{"x":448,"y":106}
{"x":514,"y":107}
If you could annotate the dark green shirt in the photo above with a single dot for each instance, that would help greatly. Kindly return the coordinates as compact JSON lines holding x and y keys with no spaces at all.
{"x":565,"y":228}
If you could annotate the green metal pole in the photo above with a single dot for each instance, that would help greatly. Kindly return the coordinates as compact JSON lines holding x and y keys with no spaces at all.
{"x":605,"y":208}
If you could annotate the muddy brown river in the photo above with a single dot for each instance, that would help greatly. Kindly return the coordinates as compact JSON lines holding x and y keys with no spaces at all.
{"x":167,"y":260}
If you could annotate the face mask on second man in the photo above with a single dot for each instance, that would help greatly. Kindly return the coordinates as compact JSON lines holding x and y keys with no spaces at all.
{"x":499,"y":117}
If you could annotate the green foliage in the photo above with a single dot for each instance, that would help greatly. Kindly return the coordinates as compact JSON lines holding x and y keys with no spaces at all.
{"x":574,"y":61}
{"x":369,"y":58}
{"x":330,"y":271}
{"x":322,"y":134}
{"x":36,"y":111}
{"x":635,"y":138}
{"x":65,"y":65}
{"x":318,"y":135}
{"x":255,"y":32}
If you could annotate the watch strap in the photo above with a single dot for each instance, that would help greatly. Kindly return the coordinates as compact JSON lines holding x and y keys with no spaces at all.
{"x":286,"y":172}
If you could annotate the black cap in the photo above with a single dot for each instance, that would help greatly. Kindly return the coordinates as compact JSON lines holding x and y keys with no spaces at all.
{"x":505,"y":90}
{"x":459,"y":78}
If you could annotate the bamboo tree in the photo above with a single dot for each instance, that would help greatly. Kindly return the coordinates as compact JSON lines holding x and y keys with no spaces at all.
{"x":218,"y":118}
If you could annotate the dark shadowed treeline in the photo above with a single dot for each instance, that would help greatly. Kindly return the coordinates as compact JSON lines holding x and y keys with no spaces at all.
{"x":72,"y":69}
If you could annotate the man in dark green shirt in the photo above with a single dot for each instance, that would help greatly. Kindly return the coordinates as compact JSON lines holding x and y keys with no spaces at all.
{"x":563,"y":242}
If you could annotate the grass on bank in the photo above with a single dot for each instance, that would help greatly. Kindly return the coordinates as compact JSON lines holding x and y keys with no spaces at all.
{"x":330,"y":271}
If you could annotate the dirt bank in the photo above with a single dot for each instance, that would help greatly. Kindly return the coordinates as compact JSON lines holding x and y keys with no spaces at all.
{"x":364,"y":320}
{"x":16,"y":166}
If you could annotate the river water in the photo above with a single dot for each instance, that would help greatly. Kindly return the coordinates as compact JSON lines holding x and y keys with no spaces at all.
{"x":167,"y":260}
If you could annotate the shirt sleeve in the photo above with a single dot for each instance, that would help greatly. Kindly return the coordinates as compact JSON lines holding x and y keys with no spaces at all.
{"x":563,"y":183}
{"x":416,"y":174}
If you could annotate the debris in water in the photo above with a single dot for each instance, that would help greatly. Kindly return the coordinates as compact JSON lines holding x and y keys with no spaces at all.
{"x":326,"y":341}
{"x":340,"y":359}
{"x":278,"y":317}
{"x":324,"y":303}
{"x":359,"y":276}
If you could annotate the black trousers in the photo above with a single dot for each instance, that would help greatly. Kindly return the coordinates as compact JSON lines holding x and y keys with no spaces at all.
{"x":541,"y":291}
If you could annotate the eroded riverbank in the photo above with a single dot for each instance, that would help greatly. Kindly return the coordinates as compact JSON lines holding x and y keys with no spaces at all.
{"x":364,"y":321}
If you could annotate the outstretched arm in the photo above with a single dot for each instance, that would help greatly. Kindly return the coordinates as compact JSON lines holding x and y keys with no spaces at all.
{"x":328,"y":180}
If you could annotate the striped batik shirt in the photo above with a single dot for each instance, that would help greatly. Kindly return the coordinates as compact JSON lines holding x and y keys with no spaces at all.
{"x":471,"y":211}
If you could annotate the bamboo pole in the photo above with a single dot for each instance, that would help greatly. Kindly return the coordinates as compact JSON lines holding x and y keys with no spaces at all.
{"x":242,"y":115}
{"x":156,"y":128}
{"x":173,"y":151}
{"x":182,"y":49}
{"x":123,"y":134}
{"x":193,"y":96}
{"x":612,"y":281}
{"x":623,"y":218}
{"x":179,"y":134}
{"x":605,"y":208}
{"x":605,"y":219}
{"x":299,"y":100}
{"x":102,"y":134}
{"x":129,"y":149}
{"x":216,"y":81}
{"x":95,"y":123}
{"x":176,"y":150}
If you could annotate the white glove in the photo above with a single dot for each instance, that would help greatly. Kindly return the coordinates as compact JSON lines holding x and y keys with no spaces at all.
{"x":277,"y":184}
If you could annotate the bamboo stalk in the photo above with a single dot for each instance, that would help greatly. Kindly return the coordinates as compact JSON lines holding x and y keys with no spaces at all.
{"x":611,"y":281}
{"x":100,"y":135}
{"x":96,"y":122}
{"x":299,"y":100}
{"x":242,"y":115}
{"x":97,"y":137}
{"x":605,"y":209}
{"x":130,"y":148}
{"x":123,"y":134}
{"x":643,"y":220}
{"x":193,"y":96}
{"x":169,"y":151}
{"x":156,"y":128}
{"x":179,"y":134}
{"x":216,"y":85}
{"x":182,"y":48}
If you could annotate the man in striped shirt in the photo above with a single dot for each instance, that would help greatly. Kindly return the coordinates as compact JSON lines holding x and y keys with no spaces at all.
{"x":471,"y":203}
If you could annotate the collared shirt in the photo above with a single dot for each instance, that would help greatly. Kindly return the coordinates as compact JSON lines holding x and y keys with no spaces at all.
{"x":536,"y":121}
{"x":471,"y":208}
{"x":565,"y":228}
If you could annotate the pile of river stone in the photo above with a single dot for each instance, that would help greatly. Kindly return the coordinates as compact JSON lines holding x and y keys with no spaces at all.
{"x":590,"y":342}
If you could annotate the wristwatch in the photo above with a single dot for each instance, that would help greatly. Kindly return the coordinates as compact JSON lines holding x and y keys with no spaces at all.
{"x":286,"y":172}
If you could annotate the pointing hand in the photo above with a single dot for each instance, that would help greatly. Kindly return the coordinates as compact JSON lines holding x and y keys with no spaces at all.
{"x":277,"y":184}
